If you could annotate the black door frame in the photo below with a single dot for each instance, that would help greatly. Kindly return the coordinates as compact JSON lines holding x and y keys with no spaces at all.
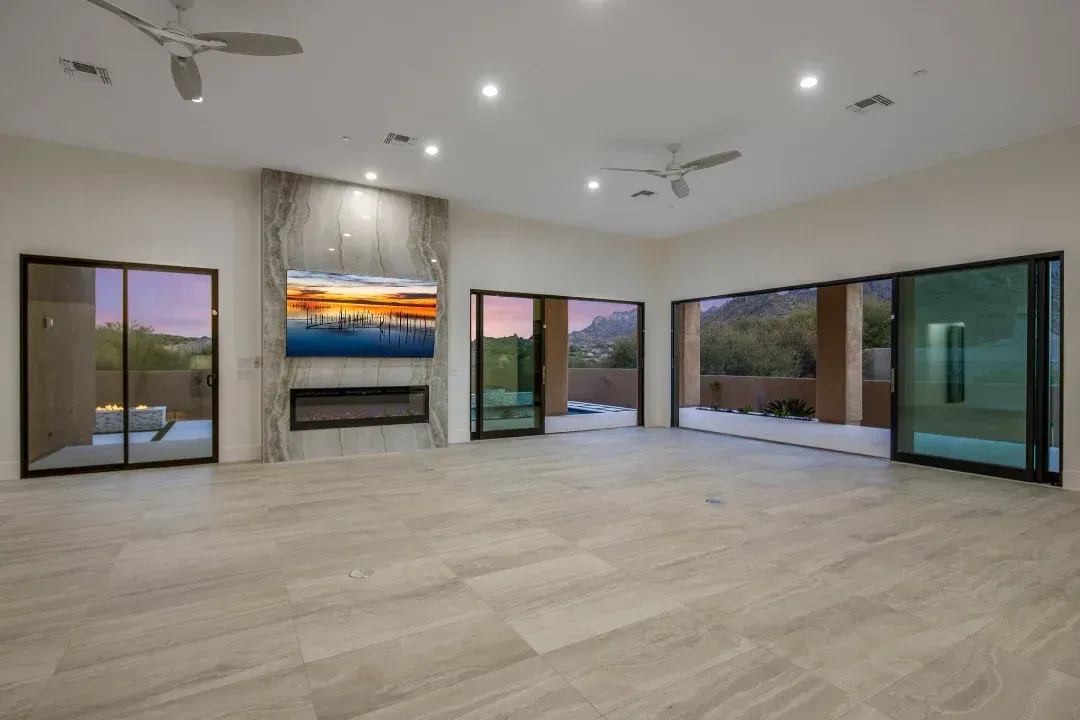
{"x":475,"y":376}
{"x":25,"y":260}
{"x":1037,"y":352}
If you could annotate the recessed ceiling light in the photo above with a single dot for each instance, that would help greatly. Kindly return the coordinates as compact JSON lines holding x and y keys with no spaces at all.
{"x":371,"y":176}
{"x":357,"y":192}
{"x":346,"y":235}
{"x":594,"y":185}
{"x":431,"y":150}
{"x":198,"y":99}
{"x":808,"y":82}
{"x":490,"y":91}
{"x":333,"y":250}
{"x":367,"y":217}
{"x":434,"y":260}
{"x":346,"y":138}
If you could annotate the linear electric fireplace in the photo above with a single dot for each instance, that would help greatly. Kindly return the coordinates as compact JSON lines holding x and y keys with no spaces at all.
{"x":317,"y":408}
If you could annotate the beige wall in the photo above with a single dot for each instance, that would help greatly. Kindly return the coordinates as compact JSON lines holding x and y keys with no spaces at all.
{"x":604,"y":386}
{"x":1009,"y":201}
{"x":62,"y":200}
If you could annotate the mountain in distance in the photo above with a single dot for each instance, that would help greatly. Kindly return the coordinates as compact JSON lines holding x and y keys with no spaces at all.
{"x":603,"y":330}
{"x":780,"y":304}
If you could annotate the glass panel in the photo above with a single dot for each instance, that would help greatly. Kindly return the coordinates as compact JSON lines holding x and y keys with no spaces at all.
{"x":591,"y":351}
{"x":73,"y":317}
{"x":1054,"y":409}
{"x":170,"y":361}
{"x":512,"y":327}
{"x":963,"y":365}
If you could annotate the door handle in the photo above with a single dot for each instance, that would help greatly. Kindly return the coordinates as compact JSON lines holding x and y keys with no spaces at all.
{"x":210,"y":380}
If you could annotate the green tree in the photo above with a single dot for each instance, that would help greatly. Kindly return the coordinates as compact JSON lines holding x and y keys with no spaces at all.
{"x":877,"y":323}
{"x":624,"y":353}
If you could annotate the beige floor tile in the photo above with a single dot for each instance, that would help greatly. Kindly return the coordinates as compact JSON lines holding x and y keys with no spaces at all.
{"x":362,"y":681}
{"x":764,"y":610}
{"x":129,"y":685}
{"x":338,"y":613}
{"x":626,"y":664}
{"x":17,"y":699}
{"x":529,"y":690}
{"x":589,"y":609}
{"x":981,"y":682}
{"x":507,"y":554}
{"x":864,"y":712}
{"x":754,"y":684}
{"x":139,"y":623}
{"x":860,"y":645}
{"x":533,"y":586}
{"x":1042,"y":624}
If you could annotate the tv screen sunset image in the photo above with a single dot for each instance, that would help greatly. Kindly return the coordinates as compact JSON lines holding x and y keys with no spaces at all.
{"x":333,"y":315}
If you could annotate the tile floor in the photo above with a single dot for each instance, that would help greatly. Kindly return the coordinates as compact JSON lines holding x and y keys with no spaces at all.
{"x":575,"y":576}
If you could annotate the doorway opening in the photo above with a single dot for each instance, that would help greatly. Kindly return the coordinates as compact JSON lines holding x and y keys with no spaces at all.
{"x":547,"y":364}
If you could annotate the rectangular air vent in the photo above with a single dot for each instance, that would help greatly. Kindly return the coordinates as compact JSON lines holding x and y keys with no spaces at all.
{"x":399,"y":140}
{"x":643,"y":193}
{"x":76,"y":69}
{"x":871,"y":103}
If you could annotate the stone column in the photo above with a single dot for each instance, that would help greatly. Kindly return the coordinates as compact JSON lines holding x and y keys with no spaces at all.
{"x":839,"y":354}
{"x":688,"y":360}
{"x":556,"y":356}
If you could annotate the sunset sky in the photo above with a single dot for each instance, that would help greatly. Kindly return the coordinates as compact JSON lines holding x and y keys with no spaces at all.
{"x":173,"y":303}
{"x":359,"y":289}
{"x":506,"y":316}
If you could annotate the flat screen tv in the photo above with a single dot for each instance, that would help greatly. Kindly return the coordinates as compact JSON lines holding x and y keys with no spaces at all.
{"x":333,"y":315}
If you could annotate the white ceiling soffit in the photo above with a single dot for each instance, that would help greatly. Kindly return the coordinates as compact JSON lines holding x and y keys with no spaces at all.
{"x":583,"y":84}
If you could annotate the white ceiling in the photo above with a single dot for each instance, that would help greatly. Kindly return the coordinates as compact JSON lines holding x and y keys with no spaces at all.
{"x":584,"y":83}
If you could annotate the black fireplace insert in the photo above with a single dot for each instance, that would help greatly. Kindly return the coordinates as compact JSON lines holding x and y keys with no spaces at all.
{"x":319,"y":408}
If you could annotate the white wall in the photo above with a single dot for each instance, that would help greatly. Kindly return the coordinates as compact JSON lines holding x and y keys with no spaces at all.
{"x":61,"y":200}
{"x":1016,"y":200}
{"x":500,"y":252}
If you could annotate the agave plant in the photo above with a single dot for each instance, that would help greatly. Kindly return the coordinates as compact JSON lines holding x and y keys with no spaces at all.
{"x":790,"y":407}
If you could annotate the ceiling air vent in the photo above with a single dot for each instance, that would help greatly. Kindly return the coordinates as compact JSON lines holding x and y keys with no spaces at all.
{"x":643,"y":193}
{"x":876,"y":102}
{"x":76,"y":69}
{"x":399,"y":140}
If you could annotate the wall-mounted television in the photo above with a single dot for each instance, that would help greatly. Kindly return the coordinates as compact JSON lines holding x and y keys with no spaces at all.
{"x":335,"y":315}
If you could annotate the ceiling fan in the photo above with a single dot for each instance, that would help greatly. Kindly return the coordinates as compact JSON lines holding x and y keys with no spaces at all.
{"x":675,"y":172}
{"x":183,"y":45}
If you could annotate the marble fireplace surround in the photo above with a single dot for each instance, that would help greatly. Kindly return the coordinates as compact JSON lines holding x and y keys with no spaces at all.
{"x":392,"y":234}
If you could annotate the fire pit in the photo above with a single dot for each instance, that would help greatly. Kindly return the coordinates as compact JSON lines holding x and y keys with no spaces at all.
{"x":110,"y":419}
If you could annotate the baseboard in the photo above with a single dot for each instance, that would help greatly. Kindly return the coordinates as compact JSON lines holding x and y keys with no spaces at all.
{"x":458,"y":436}
{"x":240,"y":453}
{"x":9,"y":470}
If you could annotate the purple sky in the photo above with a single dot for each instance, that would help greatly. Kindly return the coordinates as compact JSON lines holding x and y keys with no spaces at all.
{"x":173,"y":303}
{"x":506,"y":316}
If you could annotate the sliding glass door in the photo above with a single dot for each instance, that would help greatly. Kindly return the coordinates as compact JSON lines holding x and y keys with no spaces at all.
{"x":508,"y":366}
{"x":118,"y":365}
{"x":977,"y":369}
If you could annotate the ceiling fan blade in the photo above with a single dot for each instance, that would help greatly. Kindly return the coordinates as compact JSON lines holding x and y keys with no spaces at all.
{"x":649,"y":172}
{"x":713,"y":160}
{"x":149,"y":28}
{"x":185,"y":75}
{"x":679,"y":187}
{"x":242,"y":43}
